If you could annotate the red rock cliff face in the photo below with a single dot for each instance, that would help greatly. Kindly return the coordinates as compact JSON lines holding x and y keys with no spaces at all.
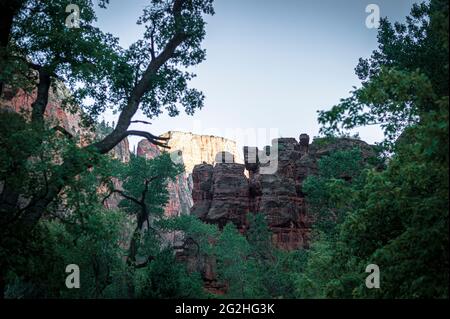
{"x":21,"y":101}
{"x":222,"y":193}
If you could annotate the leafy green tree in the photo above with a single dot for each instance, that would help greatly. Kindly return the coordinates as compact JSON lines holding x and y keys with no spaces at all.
{"x":38,"y":51}
{"x":195,"y":234}
{"x":251,"y":267}
{"x":332,"y":195}
{"x":403,"y":79}
{"x":167,"y":278}
{"x":398,"y":218}
{"x":80,"y":232}
{"x":175,"y":30}
{"x":232,"y":251}
{"x":403,"y":226}
{"x":272,"y":270}
{"x":342,"y":172}
{"x":144,"y":197}
{"x":95,"y":247}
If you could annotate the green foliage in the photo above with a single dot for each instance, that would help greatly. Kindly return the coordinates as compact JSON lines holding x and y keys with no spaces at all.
{"x":340,"y":173}
{"x":232,"y":250}
{"x":84,"y":58}
{"x":251,"y":267}
{"x":167,"y":278}
{"x":170,"y":85}
{"x":191,"y":227}
{"x":402,"y":79}
{"x":150,"y":176}
{"x":102,"y":129}
{"x":406,"y":220}
{"x":332,"y":195}
{"x":396,"y":218}
{"x":39,"y":165}
{"x":93,"y":245}
{"x":84,"y":233}
{"x":259,"y":236}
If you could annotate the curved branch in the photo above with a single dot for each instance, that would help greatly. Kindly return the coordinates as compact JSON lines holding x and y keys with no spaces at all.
{"x":150,"y":137}
{"x":123,"y":195}
{"x":143,"y":122}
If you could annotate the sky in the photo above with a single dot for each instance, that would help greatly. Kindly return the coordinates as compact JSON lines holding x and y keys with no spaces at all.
{"x":270,"y":65}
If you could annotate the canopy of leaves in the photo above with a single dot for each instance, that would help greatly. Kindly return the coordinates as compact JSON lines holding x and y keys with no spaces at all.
{"x":396,"y":218}
{"x":402,"y":80}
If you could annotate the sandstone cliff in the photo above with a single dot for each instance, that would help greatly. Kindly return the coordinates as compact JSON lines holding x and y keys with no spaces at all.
{"x":192,"y":149}
{"x":197,"y":149}
{"x":20,"y":101}
{"x":222,"y":192}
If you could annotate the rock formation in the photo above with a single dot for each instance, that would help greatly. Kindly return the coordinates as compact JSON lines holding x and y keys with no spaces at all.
{"x":196,"y":149}
{"x":20,"y":101}
{"x":222,"y":193}
{"x":192,"y":149}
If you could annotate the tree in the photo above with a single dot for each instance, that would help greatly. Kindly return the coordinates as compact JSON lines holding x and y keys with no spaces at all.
{"x":272,"y":271}
{"x":250,"y":266}
{"x":332,"y":195}
{"x":397,"y":218}
{"x":232,"y":252}
{"x":342,"y":172}
{"x":77,"y":229}
{"x":148,"y":75}
{"x":144,"y":196}
{"x":403,"y":79}
{"x":175,"y":30}
{"x":167,"y":278}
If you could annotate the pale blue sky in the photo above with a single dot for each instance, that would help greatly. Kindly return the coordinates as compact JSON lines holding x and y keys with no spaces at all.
{"x":270,"y":63}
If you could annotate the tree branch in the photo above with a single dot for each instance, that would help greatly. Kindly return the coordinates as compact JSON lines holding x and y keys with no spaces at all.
{"x":142,"y":87}
{"x":150,"y":137}
{"x":143,"y":122}
{"x":40,"y":104}
{"x":123,"y":194}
